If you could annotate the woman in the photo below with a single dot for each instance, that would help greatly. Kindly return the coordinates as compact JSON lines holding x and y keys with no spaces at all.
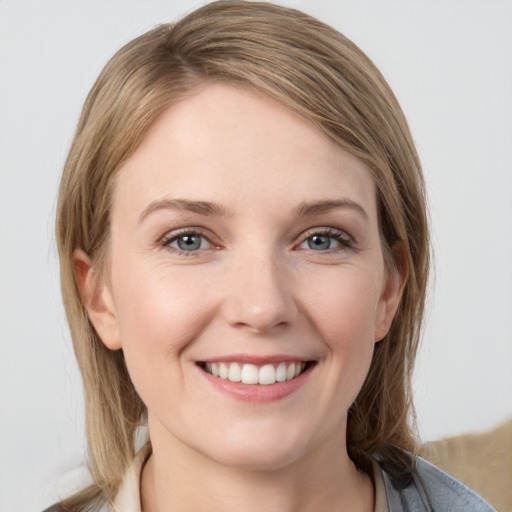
{"x":244,"y":255}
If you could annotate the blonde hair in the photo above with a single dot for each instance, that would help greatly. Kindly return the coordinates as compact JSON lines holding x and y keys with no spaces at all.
{"x":320,"y":74}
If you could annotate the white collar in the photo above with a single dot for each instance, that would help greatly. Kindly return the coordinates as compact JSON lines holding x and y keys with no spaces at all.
{"x":128,"y":497}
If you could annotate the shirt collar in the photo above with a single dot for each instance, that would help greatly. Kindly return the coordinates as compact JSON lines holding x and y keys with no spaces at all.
{"x":128,"y":496}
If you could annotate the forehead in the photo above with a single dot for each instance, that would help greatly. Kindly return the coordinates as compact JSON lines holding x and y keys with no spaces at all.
{"x":236,"y":145}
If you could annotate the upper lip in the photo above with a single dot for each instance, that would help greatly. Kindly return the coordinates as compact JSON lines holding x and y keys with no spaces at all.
{"x":257,"y":360}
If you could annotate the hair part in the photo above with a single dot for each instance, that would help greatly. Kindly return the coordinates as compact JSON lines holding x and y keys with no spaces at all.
{"x":324,"y":77}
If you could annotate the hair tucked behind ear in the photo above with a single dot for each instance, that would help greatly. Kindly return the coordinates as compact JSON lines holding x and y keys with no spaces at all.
{"x":324,"y":77}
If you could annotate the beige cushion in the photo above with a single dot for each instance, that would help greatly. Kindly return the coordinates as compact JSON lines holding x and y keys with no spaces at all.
{"x":482,"y":461}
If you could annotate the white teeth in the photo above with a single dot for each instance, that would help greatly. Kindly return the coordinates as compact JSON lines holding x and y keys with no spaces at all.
{"x":223,"y":371}
{"x":267,"y":374}
{"x":249,"y":374}
{"x":252,"y":374}
{"x":234,"y":374}
{"x":281,"y":372}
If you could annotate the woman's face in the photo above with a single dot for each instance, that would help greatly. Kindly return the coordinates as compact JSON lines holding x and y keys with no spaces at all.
{"x":245,"y":245}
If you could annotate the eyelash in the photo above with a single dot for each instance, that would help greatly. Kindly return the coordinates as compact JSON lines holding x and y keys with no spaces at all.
{"x":345,"y":241}
{"x":168,"y":239}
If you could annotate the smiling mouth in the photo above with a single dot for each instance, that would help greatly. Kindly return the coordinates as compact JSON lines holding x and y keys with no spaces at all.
{"x":266,"y":374}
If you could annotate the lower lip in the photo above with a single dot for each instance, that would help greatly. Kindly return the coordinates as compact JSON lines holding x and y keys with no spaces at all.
{"x":258,"y":392}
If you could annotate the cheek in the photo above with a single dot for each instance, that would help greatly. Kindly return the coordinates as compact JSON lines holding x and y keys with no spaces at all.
{"x":160,"y":311}
{"x":343,"y":306}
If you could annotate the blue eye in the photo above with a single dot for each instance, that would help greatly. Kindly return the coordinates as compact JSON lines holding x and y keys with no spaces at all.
{"x":188,"y":242}
{"x":326,"y":241}
{"x":320,"y":242}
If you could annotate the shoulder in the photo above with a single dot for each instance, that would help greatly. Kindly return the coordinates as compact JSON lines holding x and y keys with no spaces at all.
{"x":433,"y":490}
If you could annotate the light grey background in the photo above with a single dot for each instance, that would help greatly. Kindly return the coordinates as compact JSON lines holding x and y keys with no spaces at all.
{"x":450,"y":64}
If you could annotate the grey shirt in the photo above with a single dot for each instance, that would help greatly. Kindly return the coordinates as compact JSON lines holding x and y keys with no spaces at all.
{"x":433,"y":491}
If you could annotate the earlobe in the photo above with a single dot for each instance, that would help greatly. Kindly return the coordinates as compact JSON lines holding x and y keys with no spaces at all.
{"x":392,"y":292}
{"x":97,"y":300}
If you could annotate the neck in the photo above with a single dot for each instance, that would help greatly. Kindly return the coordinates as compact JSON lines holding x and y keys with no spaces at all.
{"x":177,"y":478}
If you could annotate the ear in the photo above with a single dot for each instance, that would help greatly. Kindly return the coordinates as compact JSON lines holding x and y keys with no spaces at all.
{"x":97,"y":299}
{"x":392,"y":292}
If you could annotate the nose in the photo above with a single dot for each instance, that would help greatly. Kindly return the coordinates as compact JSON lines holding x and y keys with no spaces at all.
{"x":259,"y":295}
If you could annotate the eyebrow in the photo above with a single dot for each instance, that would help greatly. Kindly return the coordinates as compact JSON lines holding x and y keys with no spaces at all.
{"x":200,"y":207}
{"x":317,"y":207}
{"x":207,"y":208}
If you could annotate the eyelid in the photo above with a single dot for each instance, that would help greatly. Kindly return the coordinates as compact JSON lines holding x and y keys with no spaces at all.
{"x":326,"y":230}
{"x":172,"y":235}
{"x":345,"y":240}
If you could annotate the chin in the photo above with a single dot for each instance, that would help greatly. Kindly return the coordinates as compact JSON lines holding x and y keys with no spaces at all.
{"x":258,"y":452}
{"x":256,"y":460}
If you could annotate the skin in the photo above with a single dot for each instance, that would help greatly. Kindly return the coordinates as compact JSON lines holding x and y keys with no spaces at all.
{"x":254,"y":287}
